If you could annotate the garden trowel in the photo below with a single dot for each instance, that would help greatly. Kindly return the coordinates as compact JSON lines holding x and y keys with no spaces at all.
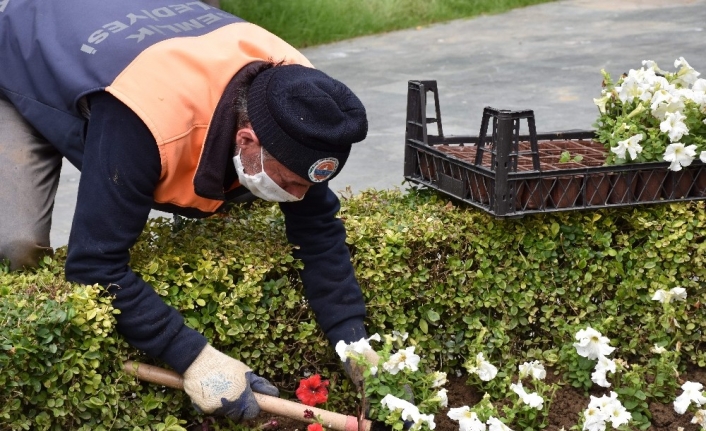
{"x":274,"y":405}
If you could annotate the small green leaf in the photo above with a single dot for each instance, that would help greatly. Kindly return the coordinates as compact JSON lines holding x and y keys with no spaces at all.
{"x":555,"y":228}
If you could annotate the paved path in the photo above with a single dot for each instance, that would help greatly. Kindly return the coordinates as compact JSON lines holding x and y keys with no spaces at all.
{"x":546,"y":58}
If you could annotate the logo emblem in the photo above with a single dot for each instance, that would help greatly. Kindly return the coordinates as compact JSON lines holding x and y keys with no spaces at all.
{"x":323,"y":169}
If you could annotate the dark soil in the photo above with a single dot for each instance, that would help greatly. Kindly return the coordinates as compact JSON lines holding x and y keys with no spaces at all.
{"x":565,"y":410}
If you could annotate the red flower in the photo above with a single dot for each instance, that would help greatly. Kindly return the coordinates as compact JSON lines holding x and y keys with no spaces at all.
{"x":312,"y":391}
{"x":314,"y":427}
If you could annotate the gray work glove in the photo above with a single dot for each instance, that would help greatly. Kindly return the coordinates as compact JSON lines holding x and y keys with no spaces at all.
{"x":222,"y":386}
{"x":355,"y":370}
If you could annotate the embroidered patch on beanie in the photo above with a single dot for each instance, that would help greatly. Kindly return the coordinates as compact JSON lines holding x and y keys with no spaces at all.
{"x":323,"y":169}
{"x":306,"y":120}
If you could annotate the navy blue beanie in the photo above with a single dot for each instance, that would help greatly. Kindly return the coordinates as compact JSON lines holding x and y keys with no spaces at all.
{"x":306,"y":120}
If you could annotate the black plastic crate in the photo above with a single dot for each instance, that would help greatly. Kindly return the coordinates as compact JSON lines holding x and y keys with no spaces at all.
{"x":509,"y":175}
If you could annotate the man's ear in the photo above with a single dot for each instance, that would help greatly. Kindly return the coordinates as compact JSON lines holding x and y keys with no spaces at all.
{"x":245,"y":139}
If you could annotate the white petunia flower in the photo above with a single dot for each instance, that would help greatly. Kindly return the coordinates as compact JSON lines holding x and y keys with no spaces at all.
{"x":592,"y":344}
{"x":393,"y":403}
{"x":666,"y":98}
{"x":700,"y":418}
{"x":618,"y":414}
{"x":629,"y":90}
{"x":662,"y":296}
{"x":439,"y":379}
{"x":495,"y":424}
{"x":604,"y":409}
{"x":531,"y":399}
{"x":518,"y":389}
{"x":649,"y":64}
{"x":692,"y":394}
{"x":657,"y":348}
{"x":674,"y":106}
{"x":409,"y":412}
{"x":600,"y":403}
{"x":673,"y":125}
{"x":400,"y":335}
{"x":698,"y":93}
{"x":467,"y":420}
{"x":665,"y":297}
{"x":356,"y":349}
{"x":442,"y":397}
{"x":361,"y":346}
{"x":686,"y":75}
{"x":594,"y":419}
{"x":637,"y":85}
{"x":403,"y":359}
{"x":534,"y":369}
{"x":661,"y":99}
{"x":484,"y":369}
{"x":630,"y":145}
{"x":678,"y":293}
{"x":429,"y":419}
{"x":396,"y":336}
{"x":699,"y":85}
{"x":679,"y":155}
{"x":534,"y":400}
{"x":603,"y":366}
{"x":601,"y":102}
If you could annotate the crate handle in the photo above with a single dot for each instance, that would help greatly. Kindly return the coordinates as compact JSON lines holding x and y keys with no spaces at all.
{"x":506,"y":136}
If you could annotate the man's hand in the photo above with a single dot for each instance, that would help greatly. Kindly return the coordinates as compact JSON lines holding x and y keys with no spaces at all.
{"x":355,"y":370}
{"x":223,"y":386}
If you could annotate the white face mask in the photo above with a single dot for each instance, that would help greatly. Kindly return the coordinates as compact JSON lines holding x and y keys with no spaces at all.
{"x":260,"y":184}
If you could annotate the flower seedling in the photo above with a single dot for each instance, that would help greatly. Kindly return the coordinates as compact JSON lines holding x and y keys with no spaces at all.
{"x":654,"y":115}
{"x":400,"y":393}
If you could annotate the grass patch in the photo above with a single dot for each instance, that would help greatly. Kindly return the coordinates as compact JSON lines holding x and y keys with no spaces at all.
{"x":312,"y":22}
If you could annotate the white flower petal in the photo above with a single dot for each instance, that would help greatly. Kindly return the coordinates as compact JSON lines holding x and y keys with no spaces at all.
{"x":699,"y":418}
{"x":679,"y":155}
{"x":439,"y":379}
{"x":467,"y":420}
{"x":494,"y":424}
{"x":591,"y":344}
{"x":678,"y":293}
{"x":658,"y":349}
{"x":534,"y":369}
{"x":661,"y":296}
{"x":681,"y":403}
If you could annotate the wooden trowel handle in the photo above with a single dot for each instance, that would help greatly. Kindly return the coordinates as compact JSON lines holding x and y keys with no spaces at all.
{"x":274,"y":405}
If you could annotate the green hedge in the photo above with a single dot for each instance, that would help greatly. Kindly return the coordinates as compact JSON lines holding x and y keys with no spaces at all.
{"x":457,"y":280}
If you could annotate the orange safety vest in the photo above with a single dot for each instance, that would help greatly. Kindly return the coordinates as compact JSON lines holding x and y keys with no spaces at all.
{"x":174,"y":87}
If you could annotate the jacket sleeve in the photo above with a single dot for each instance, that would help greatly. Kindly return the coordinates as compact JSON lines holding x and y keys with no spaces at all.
{"x":120,"y":169}
{"x":328,"y":276}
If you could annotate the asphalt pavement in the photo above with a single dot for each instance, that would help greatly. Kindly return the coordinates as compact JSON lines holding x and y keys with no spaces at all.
{"x":546,"y":58}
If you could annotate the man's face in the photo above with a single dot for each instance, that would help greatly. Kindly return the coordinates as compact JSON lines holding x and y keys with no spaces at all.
{"x":250,"y":155}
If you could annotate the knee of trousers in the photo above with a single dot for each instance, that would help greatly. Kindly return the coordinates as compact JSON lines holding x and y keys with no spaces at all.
{"x":23,"y":253}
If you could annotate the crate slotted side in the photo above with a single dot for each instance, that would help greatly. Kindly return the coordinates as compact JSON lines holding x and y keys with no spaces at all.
{"x":509,"y":175}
